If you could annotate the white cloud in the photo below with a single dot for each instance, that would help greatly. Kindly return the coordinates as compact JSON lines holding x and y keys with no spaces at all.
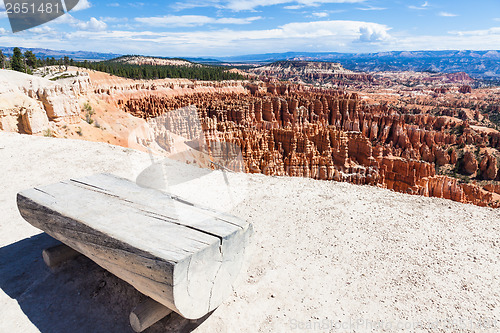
{"x":294,"y":7}
{"x":44,"y":29}
{"x":320,"y":14}
{"x":239,"y":5}
{"x":316,"y":36}
{"x":424,"y":6}
{"x":64,"y":19}
{"x":114,"y":19}
{"x":373,"y":34}
{"x":3,"y":13}
{"x":446,"y":14}
{"x":192,"y":20}
{"x":82,"y":4}
{"x":484,"y":32}
{"x":371,"y":8}
{"x":346,"y":30}
{"x":310,"y":36}
{"x":136,"y":4}
{"x":486,"y":41}
{"x":93,"y":24}
{"x":233,"y":20}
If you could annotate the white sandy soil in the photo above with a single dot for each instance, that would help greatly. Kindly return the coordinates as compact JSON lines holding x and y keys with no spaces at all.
{"x":326,"y":256}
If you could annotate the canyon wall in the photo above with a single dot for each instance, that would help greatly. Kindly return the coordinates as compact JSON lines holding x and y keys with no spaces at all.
{"x":311,"y":72}
{"x":280,"y":129}
{"x":28,"y":103}
{"x":289,"y":130}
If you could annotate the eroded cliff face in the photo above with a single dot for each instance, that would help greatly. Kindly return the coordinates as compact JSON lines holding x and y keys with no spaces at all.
{"x":290,"y":130}
{"x":28,"y":103}
{"x":282,"y":129}
{"x":325,"y":73}
{"x":84,"y":104}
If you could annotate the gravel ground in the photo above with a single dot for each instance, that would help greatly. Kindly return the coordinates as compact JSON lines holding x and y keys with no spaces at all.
{"x":325,"y":257}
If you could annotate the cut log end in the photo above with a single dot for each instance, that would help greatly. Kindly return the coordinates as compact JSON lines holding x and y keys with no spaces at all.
{"x":59,"y":254}
{"x":184,"y":256}
{"x":147,"y":314}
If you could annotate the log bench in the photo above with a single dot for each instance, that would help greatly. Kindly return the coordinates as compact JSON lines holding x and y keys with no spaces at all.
{"x":183,"y":256}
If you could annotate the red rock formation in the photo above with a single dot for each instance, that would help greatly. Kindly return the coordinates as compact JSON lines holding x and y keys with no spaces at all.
{"x":495,"y":188}
{"x":465,"y":89}
{"x":310,"y":71}
{"x":333,"y":135}
{"x":489,"y":167}
{"x":470,"y":163}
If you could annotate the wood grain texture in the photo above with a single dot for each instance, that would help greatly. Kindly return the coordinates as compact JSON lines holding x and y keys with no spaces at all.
{"x":147,"y":314}
{"x":56,"y":255}
{"x":183,"y":256}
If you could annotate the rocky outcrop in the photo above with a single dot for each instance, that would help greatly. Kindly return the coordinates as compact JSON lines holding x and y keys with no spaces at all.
{"x":311,"y":72}
{"x":28,"y":102}
{"x":19,"y":113}
{"x":465,"y":89}
{"x":117,"y":90}
{"x":282,"y":129}
{"x":489,"y":167}
{"x":152,"y":61}
{"x":333,"y":135}
{"x":469,"y":163}
{"x":495,"y":188}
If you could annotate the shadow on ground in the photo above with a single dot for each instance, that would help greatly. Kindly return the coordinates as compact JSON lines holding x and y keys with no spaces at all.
{"x":79,"y":296}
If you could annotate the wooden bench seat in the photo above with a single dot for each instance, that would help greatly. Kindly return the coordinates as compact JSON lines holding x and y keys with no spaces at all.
{"x":181,"y":255}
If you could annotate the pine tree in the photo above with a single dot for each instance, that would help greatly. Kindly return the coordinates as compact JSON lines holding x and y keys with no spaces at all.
{"x":2,"y":59}
{"x":17,"y":61}
{"x":31,"y":60}
{"x":161,"y":72}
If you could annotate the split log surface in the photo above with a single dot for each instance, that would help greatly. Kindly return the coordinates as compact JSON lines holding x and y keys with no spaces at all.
{"x":181,"y":255}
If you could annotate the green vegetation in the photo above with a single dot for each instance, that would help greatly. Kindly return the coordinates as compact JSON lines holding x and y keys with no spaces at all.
{"x":149,"y":72}
{"x":459,"y":166}
{"x":458,"y":130}
{"x":89,"y":112}
{"x":477,"y":153}
{"x":495,"y":119}
{"x":64,"y":76}
{"x":30,"y":59}
{"x":17,"y":61}
{"x":27,"y":62}
{"x":48,"y":133}
{"x":2,"y":59}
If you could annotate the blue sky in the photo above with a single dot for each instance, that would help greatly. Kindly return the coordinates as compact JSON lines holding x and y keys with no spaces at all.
{"x":236,"y":27}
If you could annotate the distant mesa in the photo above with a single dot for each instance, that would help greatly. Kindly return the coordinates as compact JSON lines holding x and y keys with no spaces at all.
{"x":316,"y":72}
{"x":154,"y":61}
{"x":58,"y":54}
{"x":477,"y":64}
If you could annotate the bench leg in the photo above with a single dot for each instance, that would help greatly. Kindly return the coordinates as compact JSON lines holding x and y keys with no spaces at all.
{"x":56,"y":255}
{"x":146,"y":314}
